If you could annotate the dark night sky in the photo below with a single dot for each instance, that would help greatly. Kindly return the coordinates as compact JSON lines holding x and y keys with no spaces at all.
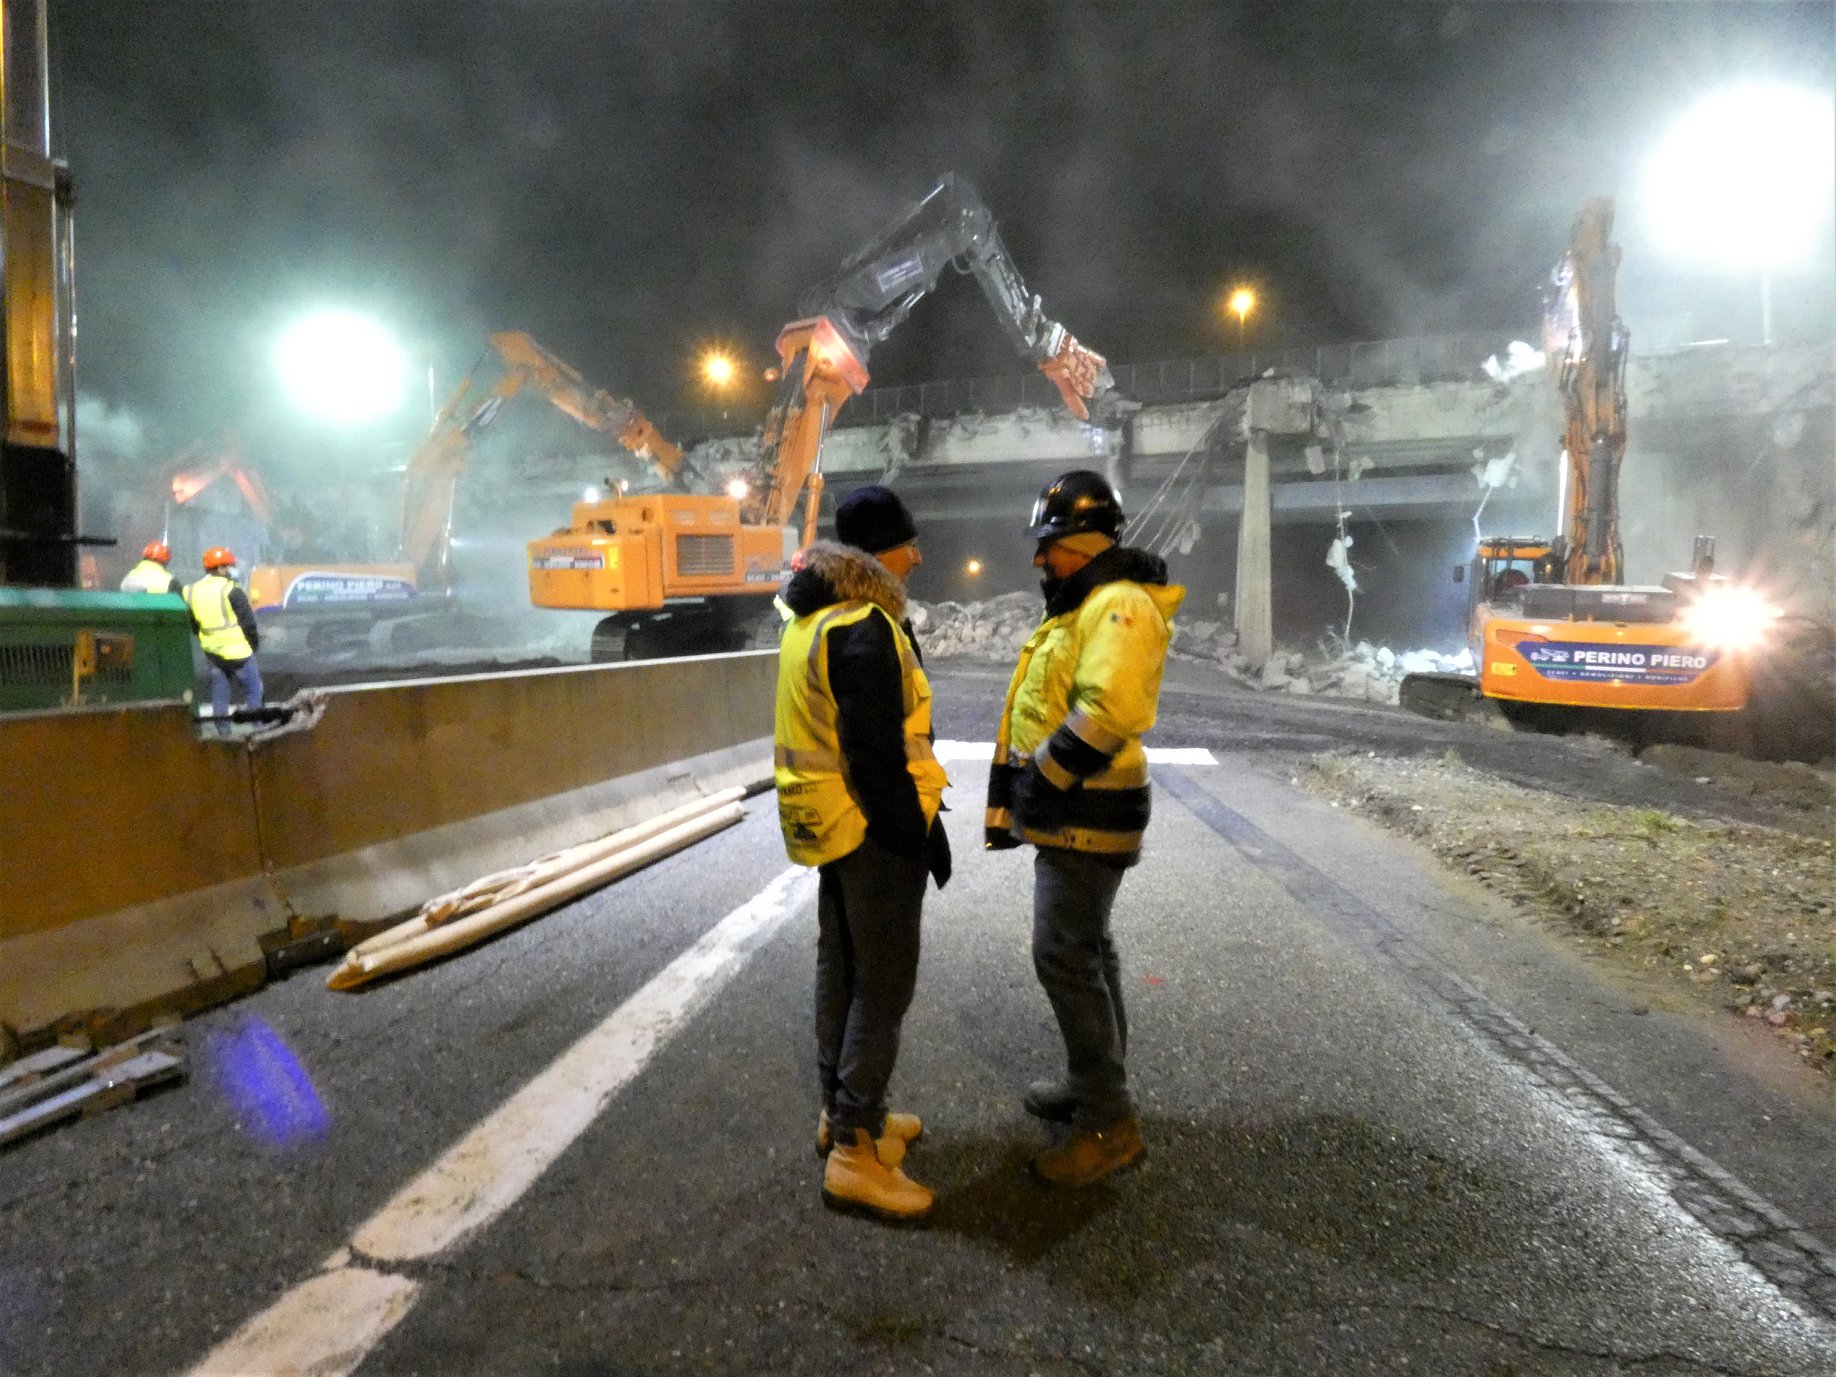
{"x":625,"y":181}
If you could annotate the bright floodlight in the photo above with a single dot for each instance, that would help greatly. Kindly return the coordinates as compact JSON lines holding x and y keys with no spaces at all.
{"x":342,"y":366}
{"x":1744,"y":177}
{"x":1242,"y":302}
{"x":1730,"y":618}
{"x":739,"y":489}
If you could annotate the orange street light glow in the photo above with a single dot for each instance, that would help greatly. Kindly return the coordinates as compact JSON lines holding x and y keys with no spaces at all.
{"x":717,"y":369}
{"x":1242,"y":302}
{"x":973,"y":567}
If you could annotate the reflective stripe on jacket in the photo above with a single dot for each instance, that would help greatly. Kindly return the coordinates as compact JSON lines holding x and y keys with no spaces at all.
{"x":219,"y":629}
{"x":818,"y":808}
{"x":1069,"y":770}
{"x":149,"y":577}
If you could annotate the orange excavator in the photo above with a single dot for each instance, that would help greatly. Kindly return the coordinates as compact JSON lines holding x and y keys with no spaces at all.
{"x":1553,"y":631}
{"x":684,"y":573}
{"x":166,"y":508}
{"x":421,"y":577}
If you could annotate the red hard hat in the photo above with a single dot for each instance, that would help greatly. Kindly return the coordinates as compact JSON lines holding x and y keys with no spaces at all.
{"x":216,"y":557}
{"x":158,"y":551}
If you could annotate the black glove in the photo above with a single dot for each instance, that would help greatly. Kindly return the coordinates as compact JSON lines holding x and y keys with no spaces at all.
{"x":937,"y":852}
{"x":898,"y":836}
{"x":1039,"y":803}
{"x":1000,"y":795}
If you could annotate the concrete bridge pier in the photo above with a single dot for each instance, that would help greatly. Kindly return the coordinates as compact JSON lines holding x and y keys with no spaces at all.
{"x":1252,"y":608}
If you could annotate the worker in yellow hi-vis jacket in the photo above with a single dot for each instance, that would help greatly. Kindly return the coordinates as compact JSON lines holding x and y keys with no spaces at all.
{"x":1070,"y":776}
{"x":859,"y":792}
{"x":225,"y":623}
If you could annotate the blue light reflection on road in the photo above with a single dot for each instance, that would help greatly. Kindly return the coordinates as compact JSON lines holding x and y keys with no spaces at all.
{"x":270,"y":1090}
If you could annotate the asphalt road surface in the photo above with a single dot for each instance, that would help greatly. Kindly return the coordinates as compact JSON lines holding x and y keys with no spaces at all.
{"x":1391,"y":1129}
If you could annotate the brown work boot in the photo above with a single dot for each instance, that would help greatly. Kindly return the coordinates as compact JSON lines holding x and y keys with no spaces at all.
{"x":1090,"y":1154}
{"x":864,"y":1176}
{"x":1051,"y":1101}
{"x":907,"y":1128}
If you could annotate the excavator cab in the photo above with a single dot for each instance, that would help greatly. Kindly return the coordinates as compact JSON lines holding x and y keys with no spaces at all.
{"x":1502,"y":568}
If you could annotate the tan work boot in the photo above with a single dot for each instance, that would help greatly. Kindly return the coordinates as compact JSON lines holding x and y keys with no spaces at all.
{"x":864,"y":1176}
{"x":907,"y":1128}
{"x":1090,"y":1154}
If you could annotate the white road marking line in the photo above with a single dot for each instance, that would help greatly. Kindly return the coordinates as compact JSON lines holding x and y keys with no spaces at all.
{"x":947,"y":751}
{"x":1180,"y":755}
{"x":321,"y":1328}
{"x":326,"y":1326}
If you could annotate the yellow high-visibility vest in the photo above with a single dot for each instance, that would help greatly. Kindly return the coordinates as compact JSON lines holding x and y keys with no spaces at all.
{"x":148,"y":576}
{"x":219,"y":632}
{"x":821,"y":819}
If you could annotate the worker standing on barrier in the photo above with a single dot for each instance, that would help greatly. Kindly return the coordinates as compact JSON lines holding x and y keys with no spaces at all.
{"x":151,"y":575}
{"x":225,"y":623}
{"x":1070,"y":776}
{"x":859,"y":792}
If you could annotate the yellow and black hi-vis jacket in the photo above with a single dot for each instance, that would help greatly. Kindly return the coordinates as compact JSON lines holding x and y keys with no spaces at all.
{"x":853,"y":753}
{"x":1069,"y":769}
{"x":223,"y":619}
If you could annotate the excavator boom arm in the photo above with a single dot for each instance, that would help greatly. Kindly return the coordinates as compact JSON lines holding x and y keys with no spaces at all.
{"x":880,"y":284}
{"x":1585,"y":336}
{"x":824,"y":355}
{"x":433,"y":470}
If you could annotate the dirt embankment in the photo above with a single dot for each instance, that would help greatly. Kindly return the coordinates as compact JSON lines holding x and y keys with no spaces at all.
{"x":1732,"y":914}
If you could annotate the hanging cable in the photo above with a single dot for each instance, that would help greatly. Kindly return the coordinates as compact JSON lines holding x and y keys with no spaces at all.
{"x":1159,"y":525}
{"x":1338,"y":554}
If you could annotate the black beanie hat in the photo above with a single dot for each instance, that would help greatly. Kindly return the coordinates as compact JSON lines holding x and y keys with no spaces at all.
{"x":872,"y":518}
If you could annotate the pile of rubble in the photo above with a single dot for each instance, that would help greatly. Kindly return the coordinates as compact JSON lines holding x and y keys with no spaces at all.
{"x":992,"y":630}
{"x":995,"y":630}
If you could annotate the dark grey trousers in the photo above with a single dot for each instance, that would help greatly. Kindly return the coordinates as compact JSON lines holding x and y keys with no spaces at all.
{"x":1074,"y":957}
{"x":867,"y":913}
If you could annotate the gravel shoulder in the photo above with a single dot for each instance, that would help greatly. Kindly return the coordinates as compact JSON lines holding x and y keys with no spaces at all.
{"x":1727,"y":914}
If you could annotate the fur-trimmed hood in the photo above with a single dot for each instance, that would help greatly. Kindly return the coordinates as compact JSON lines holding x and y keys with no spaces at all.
{"x":827,"y":573}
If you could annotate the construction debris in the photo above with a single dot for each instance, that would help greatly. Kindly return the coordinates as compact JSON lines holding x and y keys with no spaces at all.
{"x":62,"y":1083}
{"x":995,"y":630}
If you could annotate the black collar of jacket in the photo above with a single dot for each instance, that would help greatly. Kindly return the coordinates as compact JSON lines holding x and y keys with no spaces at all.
{"x":828,"y":573}
{"x":1115,"y":564}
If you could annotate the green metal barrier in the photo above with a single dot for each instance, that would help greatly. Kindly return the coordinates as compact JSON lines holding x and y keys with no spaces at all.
{"x":66,"y":648}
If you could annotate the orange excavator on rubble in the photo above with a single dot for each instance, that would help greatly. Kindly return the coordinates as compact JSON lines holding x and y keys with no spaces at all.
{"x":681,"y":573}
{"x":1553,"y":631}
{"x":167,"y":509}
{"x":423,"y":571}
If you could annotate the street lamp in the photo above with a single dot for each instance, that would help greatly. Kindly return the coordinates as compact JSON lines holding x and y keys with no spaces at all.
{"x":1744,"y":178}
{"x":719,"y":373}
{"x":341,"y":366}
{"x":717,"y":369}
{"x":1242,"y":302}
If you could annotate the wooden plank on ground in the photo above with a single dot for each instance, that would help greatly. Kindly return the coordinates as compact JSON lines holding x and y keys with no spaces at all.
{"x":99,"y":1083}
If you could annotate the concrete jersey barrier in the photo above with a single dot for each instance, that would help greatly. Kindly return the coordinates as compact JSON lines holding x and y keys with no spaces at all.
{"x":144,"y":870}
